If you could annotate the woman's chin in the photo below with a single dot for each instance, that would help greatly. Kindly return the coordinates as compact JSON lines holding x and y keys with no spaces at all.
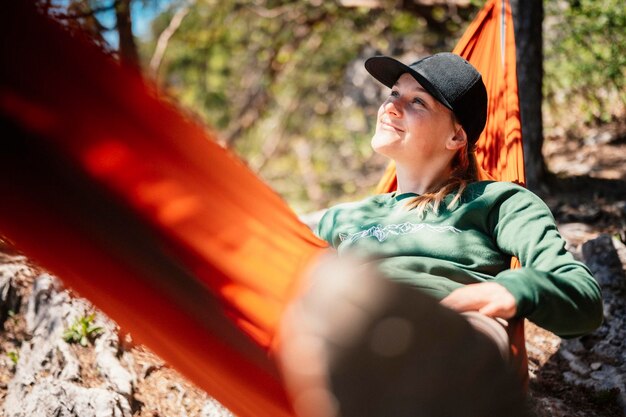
{"x":385,"y":145}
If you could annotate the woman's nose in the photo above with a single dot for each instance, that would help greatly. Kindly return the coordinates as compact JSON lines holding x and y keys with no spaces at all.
{"x":391,"y":107}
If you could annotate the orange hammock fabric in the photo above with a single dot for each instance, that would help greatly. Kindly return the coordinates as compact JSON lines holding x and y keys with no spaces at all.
{"x":139,"y":211}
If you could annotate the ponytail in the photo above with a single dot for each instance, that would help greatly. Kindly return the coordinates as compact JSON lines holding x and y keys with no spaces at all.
{"x":465,"y":172}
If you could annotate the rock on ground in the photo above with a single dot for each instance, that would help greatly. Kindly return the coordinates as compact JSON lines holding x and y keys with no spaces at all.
{"x":586,"y":376}
{"x":48,"y":375}
{"x":42,"y":375}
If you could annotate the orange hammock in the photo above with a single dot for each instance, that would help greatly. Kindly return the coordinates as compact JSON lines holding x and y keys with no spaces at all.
{"x":165,"y":231}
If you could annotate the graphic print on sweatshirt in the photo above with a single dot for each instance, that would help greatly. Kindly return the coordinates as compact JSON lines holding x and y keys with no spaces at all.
{"x":381,"y":232}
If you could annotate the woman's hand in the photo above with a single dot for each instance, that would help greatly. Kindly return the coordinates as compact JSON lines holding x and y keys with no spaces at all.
{"x":488,"y":298}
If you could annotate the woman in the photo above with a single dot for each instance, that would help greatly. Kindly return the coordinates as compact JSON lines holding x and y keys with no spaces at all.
{"x":443,"y":229}
{"x":451,"y":237}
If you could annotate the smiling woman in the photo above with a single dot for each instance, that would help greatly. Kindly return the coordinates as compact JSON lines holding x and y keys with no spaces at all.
{"x":429,"y":126}
{"x":408,"y":120}
{"x":449,"y":235}
{"x":430,"y":113}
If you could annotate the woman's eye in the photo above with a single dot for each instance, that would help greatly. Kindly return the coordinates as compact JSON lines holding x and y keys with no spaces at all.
{"x":394,"y":94}
{"x":419,"y":101}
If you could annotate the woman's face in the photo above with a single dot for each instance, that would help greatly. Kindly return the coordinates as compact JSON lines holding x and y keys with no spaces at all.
{"x":412,"y":125}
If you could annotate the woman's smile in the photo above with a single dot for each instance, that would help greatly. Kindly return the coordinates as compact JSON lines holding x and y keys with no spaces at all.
{"x":390,"y":126}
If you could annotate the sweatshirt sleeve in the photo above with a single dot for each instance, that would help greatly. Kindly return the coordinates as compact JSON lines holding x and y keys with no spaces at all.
{"x":551,"y":288}
{"x":324,"y":229}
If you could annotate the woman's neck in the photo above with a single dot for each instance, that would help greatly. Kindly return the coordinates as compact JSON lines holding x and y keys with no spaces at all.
{"x":412,"y":180}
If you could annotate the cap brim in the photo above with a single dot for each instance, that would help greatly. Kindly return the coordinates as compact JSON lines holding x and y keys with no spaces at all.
{"x":387,"y":71}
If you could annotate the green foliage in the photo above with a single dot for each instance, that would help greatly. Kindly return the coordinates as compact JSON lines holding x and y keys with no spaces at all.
{"x":275,"y":76}
{"x":82,"y":331}
{"x":13,"y":356}
{"x":585,"y":64}
{"x":12,"y":317}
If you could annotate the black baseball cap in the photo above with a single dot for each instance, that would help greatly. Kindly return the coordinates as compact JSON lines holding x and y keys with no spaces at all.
{"x":448,"y":78}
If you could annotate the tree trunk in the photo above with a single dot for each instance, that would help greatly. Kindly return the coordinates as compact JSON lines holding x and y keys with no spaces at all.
{"x":528,"y":19}
{"x":127,"y":48}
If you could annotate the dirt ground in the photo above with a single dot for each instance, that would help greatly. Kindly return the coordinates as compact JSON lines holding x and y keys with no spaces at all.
{"x":587,"y":186}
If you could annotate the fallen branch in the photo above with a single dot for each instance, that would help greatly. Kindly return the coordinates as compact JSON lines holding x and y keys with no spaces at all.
{"x":164,"y":38}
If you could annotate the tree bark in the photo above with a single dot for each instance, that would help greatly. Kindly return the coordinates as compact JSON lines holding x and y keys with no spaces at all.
{"x":127,"y":48}
{"x":528,"y":20}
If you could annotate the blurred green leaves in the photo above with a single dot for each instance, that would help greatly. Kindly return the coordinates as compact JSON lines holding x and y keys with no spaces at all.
{"x":83,"y":330}
{"x":585,"y":60}
{"x":272,"y":75}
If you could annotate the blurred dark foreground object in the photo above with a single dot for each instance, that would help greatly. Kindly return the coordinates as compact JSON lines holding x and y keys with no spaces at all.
{"x":357,"y":345}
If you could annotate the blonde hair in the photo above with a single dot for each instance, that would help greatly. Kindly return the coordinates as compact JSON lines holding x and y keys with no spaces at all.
{"x":464,"y":172}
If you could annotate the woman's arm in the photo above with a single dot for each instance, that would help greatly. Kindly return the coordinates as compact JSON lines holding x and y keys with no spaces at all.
{"x":551,"y":288}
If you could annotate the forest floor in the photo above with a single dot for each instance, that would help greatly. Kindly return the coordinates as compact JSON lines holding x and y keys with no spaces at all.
{"x":587,"y":194}
{"x":588,"y":181}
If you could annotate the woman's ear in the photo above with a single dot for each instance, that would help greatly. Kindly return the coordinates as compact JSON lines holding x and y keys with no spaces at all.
{"x":457,"y":141}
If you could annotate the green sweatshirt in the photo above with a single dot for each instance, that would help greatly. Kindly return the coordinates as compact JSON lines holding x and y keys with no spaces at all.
{"x":472,"y":243}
